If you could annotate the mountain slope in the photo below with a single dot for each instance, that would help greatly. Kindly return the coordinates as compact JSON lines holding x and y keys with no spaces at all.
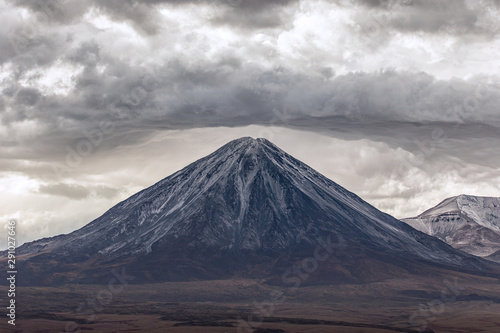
{"x":468,"y":223}
{"x":247,"y":209}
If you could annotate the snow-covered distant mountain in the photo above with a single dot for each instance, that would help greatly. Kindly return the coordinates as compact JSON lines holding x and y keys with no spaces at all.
{"x":469,"y":223}
{"x":249,"y":208}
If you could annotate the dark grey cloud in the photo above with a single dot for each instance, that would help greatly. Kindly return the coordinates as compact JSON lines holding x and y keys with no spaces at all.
{"x":36,"y":50}
{"x":141,"y":14}
{"x":430,"y":16}
{"x":77,"y":192}
{"x":259,"y":14}
{"x":6,"y":50}
{"x":27,"y":96}
{"x":436,"y":16}
{"x":396,"y":107}
{"x":54,"y":11}
{"x":86,"y":54}
{"x":66,"y":190}
{"x":27,"y":45}
{"x":144,"y":15}
{"x":457,"y":17}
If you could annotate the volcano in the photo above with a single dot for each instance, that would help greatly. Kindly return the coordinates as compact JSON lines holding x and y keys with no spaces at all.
{"x":247,"y":210}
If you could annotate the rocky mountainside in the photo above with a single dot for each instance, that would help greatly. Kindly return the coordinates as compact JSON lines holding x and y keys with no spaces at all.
{"x":468,"y":223}
{"x":248,"y":209}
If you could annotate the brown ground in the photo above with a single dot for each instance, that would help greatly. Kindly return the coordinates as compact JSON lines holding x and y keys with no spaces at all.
{"x":217,"y":306}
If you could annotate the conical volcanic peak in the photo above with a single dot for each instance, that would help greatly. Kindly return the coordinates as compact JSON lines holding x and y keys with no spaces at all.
{"x":248,"y":198}
{"x":247,"y":143}
{"x":246,"y":146}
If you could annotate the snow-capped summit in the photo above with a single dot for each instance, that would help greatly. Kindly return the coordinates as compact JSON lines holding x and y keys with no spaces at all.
{"x":466,"y":222}
{"x":248,"y":203}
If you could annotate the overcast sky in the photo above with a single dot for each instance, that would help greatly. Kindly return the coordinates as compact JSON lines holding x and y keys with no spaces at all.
{"x":398,"y":101}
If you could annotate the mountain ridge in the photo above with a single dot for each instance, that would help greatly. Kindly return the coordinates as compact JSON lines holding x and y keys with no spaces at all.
{"x":469,"y":223}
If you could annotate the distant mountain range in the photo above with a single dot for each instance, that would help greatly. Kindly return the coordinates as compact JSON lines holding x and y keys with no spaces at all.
{"x":247,"y":210}
{"x":468,"y":223}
